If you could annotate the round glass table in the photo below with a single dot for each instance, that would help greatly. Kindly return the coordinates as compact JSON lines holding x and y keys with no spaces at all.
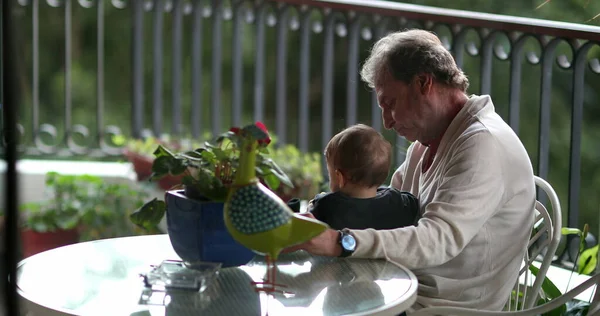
{"x":103,"y":278}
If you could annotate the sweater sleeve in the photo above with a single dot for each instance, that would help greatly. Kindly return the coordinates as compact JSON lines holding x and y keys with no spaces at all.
{"x":470,"y":190}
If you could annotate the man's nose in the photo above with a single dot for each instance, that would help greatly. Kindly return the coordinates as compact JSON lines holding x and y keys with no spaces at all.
{"x":388,"y":121}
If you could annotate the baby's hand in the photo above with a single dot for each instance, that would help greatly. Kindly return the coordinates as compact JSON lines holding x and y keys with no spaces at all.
{"x":310,"y":205}
{"x":320,"y":195}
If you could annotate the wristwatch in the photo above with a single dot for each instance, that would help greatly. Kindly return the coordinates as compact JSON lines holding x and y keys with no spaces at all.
{"x":347,"y":242}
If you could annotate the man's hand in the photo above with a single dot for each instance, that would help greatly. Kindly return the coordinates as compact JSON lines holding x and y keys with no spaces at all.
{"x":326,"y":244}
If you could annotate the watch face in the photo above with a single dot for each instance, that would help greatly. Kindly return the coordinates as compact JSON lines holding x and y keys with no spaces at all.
{"x":348,"y":242}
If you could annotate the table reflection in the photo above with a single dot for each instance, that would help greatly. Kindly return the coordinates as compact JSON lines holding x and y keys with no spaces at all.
{"x":314,"y":286}
{"x":102,"y":278}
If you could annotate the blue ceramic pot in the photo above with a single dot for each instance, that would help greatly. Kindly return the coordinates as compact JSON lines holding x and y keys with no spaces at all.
{"x":198,"y":233}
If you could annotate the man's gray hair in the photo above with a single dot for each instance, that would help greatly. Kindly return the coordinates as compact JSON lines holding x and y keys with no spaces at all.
{"x":406,"y":54}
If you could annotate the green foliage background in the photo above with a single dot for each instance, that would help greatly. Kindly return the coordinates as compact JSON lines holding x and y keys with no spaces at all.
{"x":118,"y":78}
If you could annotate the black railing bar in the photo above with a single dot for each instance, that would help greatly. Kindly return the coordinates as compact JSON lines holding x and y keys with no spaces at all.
{"x":487,"y":56}
{"x":176,"y":67}
{"x":514,"y":89}
{"x":237,"y":65}
{"x":259,"y":62}
{"x":216,"y":70}
{"x":545,"y":111}
{"x":197,"y":8}
{"x":579,"y":68}
{"x":280,"y":75}
{"x":304,"y":84}
{"x":100,"y":75}
{"x":10,"y":100}
{"x":376,"y":122}
{"x":35,"y":111}
{"x":68,"y":75}
{"x":452,"y":16}
{"x":157,"y":67}
{"x":352,"y":82}
{"x":328,"y":84}
{"x":137,"y":64}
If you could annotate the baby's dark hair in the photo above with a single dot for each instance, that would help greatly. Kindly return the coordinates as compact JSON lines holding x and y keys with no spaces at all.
{"x":361,"y":154}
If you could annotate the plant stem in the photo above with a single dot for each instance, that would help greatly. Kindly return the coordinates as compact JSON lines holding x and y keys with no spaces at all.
{"x":245,"y":173}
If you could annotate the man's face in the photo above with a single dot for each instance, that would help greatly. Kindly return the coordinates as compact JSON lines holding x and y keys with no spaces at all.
{"x":402,"y":107}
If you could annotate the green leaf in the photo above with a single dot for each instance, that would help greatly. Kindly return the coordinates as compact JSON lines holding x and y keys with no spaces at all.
{"x":209,"y":156}
{"x":272,"y":181}
{"x":39,"y":227}
{"x":259,"y":172}
{"x":209,"y":145}
{"x":570,"y":231}
{"x":167,"y":164}
{"x":586,"y":229}
{"x":559,"y":311}
{"x":149,"y":215}
{"x":51,"y":178}
{"x":162,"y":152}
{"x":268,"y":166}
{"x":220,"y":154}
{"x":119,"y":140}
{"x":68,"y":222}
{"x":227,"y":135}
{"x":582,"y":237}
{"x":588,"y":260}
{"x":192,"y":155}
{"x":548,"y":287}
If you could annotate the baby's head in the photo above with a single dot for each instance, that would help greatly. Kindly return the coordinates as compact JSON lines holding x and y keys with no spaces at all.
{"x":358,"y":157}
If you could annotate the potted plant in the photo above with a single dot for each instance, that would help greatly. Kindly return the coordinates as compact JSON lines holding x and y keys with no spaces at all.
{"x":79,"y":207}
{"x":195,"y":211}
{"x":140,"y":153}
{"x":47,"y":228}
{"x":304,"y":170}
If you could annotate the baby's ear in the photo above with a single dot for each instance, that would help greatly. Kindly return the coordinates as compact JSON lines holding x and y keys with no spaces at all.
{"x":341,"y":180}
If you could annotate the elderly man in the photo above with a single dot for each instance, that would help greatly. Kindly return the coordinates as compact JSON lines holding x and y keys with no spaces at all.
{"x":469,"y":170}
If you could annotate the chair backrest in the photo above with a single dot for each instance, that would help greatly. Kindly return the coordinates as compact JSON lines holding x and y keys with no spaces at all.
{"x":546,"y":236}
{"x":538,"y":310}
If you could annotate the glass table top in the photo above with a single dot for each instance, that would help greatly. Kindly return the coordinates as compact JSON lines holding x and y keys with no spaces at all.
{"x":102,"y":278}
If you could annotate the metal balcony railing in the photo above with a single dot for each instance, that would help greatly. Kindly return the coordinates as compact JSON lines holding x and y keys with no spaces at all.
{"x":198,"y":66}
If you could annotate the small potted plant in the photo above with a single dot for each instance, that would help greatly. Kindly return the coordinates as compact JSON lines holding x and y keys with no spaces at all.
{"x":195,"y":210}
{"x":304,"y":170}
{"x":78,"y":208}
{"x":140,"y":153}
{"x":46,"y":227}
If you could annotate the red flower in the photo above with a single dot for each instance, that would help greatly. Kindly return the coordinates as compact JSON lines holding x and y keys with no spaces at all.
{"x":235,"y":130}
{"x":264,"y":141}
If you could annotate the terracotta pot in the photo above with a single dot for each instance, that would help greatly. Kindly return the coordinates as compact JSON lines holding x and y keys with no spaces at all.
{"x":141,"y":164}
{"x":169,"y":182}
{"x":143,"y":168}
{"x":35,"y":242}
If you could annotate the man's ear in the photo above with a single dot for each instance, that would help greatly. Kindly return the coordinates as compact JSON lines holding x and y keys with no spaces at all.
{"x":425,"y":83}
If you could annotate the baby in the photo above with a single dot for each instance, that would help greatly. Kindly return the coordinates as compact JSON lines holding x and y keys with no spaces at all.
{"x":358,"y":161}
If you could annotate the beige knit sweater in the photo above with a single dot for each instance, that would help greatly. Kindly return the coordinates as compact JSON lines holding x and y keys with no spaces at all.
{"x":477,"y":202}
